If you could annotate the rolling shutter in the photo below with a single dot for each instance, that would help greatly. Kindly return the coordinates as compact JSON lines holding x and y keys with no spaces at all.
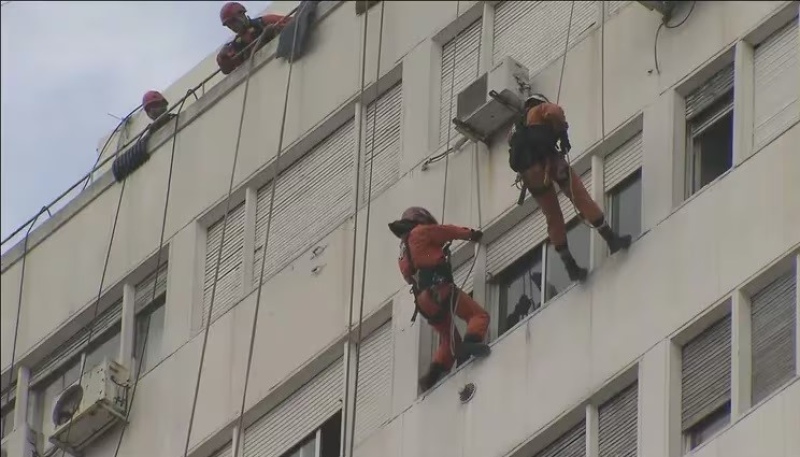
{"x":386,"y":168}
{"x":229,"y":282}
{"x":533,"y":33}
{"x":711,"y":91}
{"x":467,"y":46}
{"x":463,"y":275}
{"x":374,"y":382}
{"x":144,"y":290}
{"x":773,"y":335}
{"x":621,"y":163}
{"x":296,"y":417}
{"x":77,"y":344}
{"x":777,"y":86}
{"x":312,"y":197}
{"x":618,"y":419}
{"x":570,"y":444}
{"x":706,"y":374}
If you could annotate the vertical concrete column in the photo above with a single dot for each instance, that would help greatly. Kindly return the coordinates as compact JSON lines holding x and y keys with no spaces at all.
{"x":659,"y":401}
{"x":743,"y":102}
{"x":237,"y":441}
{"x":487,"y":38}
{"x":128,"y":332}
{"x":664,"y":158}
{"x":409,"y":358}
{"x":21,"y":397}
{"x":348,"y":425}
{"x":797,"y":315}
{"x":592,"y":431}
{"x":741,"y":363}
{"x":597,"y":248}
{"x":249,"y":282}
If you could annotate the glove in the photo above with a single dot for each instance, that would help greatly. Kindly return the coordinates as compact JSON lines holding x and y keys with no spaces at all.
{"x":434,"y":374}
{"x":565,"y":145}
{"x":475,"y":235}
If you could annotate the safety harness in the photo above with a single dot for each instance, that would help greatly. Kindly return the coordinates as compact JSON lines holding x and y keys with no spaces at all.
{"x":428,"y":279}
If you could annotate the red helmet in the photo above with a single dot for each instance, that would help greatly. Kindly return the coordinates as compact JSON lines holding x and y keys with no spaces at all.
{"x":231,"y":10}
{"x":152,"y":97}
{"x":418,"y":214}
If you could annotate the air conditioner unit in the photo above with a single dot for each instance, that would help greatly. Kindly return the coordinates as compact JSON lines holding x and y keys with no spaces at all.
{"x":492,"y":101}
{"x":83,"y":412}
{"x":664,"y":8}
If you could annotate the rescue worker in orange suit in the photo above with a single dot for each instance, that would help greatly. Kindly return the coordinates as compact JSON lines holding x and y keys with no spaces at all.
{"x":247,"y":30}
{"x":155,"y":106}
{"x":424,"y":265}
{"x":534,"y":156}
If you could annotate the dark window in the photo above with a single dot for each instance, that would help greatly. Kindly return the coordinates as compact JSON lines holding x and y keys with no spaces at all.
{"x":709,"y":426}
{"x":578,"y":239}
{"x":327,"y":437}
{"x":150,"y":322}
{"x":710,"y":145}
{"x":7,"y":420}
{"x":626,"y":206}
{"x":520,"y":291}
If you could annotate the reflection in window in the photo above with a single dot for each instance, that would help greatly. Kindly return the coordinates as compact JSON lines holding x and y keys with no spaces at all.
{"x":68,"y":375}
{"x":578,"y":240}
{"x":626,"y":206}
{"x":520,"y":289}
{"x":149,"y":324}
{"x":710,"y":143}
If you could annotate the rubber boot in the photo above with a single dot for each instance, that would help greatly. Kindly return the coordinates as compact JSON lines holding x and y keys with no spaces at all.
{"x":434,"y":374}
{"x":614,"y":241}
{"x":472,"y":346}
{"x":575,"y":272}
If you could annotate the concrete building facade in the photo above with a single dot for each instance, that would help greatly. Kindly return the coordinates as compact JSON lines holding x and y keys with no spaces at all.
{"x":687,"y":343}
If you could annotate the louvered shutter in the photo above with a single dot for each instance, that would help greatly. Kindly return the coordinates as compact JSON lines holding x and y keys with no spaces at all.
{"x":229,"y":282}
{"x":570,"y":444}
{"x":144,"y":290}
{"x":296,"y":417}
{"x":374,"y":402}
{"x":706,"y":374}
{"x":312,"y":197}
{"x":464,"y":275}
{"x":516,"y":242}
{"x":533,"y":33}
{"x":614,"y":6}
{"x":77,"y":343}
{"x":387,"y":110}
{"x":711,"y":91}
{"x":777,"y":90}
{"x":617,"y":427}
{"x":621,"y":163}
{"x":774,"y":335}
{"x":466,"y":47}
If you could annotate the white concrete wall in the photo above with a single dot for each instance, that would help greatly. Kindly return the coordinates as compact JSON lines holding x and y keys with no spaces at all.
{"x":683,"y":265}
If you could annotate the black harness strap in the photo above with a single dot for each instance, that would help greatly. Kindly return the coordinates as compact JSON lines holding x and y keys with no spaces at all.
{"x":428,"y":279}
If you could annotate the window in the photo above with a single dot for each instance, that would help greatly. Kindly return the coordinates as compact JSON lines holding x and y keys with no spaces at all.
{"x":617,"y":424}
{"x":709,"y":130}
{"x":556,"y":273}
{"x":570,"y":444}
{"x":67,"y":376}
{"x":706,"y":383}
{"x":7,"y":420}
{"x":149,"y":336}
{"x":626,"y":206}
{"x":774,"y":318}
{"x":325,"y":439}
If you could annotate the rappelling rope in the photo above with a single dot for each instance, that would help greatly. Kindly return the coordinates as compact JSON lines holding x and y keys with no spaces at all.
{"x":140,"y":360}
{"x":366,"y":230}
{"x":275,"y":174}
{"x":219,"y":252}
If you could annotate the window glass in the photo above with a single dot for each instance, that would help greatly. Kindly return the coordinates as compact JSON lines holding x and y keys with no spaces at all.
{"x":557,"y":278}
{"x":151,"y":322}
{"x":709,"y":426}
{"x":108,"y":349}
{"x":711,"y":144}
{"x":8,"y":421}
{"x":520,"y":290}
{"x":50,"y":394}
{"x":626,"y":206}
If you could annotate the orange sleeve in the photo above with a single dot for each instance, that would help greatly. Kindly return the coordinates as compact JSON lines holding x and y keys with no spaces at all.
{"x":442,"y":233}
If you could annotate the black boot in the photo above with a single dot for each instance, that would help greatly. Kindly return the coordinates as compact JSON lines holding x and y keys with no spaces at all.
{"x":472,"y":346}
{"x":429,"y":379}
{"x":575,"y":272}
{"x":614,"y":241}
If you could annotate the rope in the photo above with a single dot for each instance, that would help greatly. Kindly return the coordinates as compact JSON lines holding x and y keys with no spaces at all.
{"x":99,"y":295}
{"x":566,"y":48}
{"x":345,"y":415}
{"x":19,"y":309}
{"x":276,"y":170}
{"x":366,"y":231}
{"x":450,"y":112}
{"x":219,"y":252}
{"x":155,"y":282}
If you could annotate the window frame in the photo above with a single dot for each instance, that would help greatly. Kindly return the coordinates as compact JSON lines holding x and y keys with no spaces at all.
{"x":697,"y":125}
{"x":611,"y":194}
{"x":147,"y":311}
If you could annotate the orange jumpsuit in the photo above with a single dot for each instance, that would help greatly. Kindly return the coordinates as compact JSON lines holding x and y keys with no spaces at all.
{"x":542,"y":164}
{"x":422,"y":248}
{"x":229,"y":58}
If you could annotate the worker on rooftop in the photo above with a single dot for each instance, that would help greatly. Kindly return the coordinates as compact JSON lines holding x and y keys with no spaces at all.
{"x":233,"y":16}
{"x":535,"y":156}
{"x":425,"y":264}
{"x":155,"y":106}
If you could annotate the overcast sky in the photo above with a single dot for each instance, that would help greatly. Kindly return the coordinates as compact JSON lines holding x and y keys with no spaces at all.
{"x":65,"y":65}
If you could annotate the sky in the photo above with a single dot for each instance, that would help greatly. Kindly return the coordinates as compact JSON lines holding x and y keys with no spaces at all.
{"x":66,"y":65}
